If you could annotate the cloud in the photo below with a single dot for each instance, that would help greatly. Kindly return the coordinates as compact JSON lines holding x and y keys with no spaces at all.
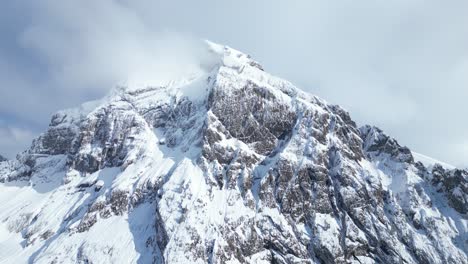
{"x":96,"y":45}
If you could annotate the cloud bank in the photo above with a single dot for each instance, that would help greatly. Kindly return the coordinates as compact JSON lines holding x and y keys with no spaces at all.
{"x":402,"y":65}
{"x":89,"y":45}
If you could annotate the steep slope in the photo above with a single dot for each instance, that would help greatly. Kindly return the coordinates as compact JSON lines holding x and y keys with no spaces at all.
{"x":233,"y":166}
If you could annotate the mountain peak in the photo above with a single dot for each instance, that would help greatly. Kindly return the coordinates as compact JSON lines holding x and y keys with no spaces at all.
{"x":229,"y":165}
{"x":231,"y":57}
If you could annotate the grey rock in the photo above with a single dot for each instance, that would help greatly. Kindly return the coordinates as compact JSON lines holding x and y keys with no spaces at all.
{"x":454,"y":184}
{"x":377,"y":142}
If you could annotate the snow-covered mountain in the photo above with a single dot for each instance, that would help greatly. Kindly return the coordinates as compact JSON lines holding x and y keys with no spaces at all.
{"x":229,"y":166}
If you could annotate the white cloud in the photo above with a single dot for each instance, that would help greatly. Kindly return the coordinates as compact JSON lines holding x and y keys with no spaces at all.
{"x":97,"y":45}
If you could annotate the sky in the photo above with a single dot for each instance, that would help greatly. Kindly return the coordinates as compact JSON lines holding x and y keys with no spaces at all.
{"x":399,"y":65}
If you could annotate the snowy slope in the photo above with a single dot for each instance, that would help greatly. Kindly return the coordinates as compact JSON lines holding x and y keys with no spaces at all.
{"x":231,"y":165}
{"x":430,"y":162}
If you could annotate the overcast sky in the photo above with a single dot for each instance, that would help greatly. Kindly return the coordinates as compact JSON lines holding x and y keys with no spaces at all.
{"x":400,"y":65}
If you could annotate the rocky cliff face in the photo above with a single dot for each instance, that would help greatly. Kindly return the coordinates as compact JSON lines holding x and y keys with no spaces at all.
{"x":234,"y":166}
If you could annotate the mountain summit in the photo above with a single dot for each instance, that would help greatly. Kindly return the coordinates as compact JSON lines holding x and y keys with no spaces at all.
{"x":232,"y":165}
